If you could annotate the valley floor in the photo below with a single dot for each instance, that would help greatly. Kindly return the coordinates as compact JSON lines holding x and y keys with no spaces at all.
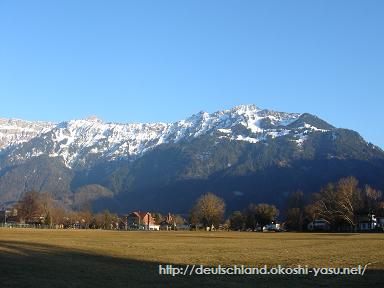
{"x":95,"y":258}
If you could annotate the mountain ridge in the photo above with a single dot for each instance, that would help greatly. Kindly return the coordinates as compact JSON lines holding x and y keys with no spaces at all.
{"x":75,"y":140}
{"x":241,"y":154}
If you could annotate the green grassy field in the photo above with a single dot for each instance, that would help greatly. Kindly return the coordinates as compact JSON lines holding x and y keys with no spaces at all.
{"x":89,"y":258}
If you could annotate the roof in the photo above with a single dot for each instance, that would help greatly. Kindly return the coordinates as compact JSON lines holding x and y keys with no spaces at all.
{"x":140,"y":215}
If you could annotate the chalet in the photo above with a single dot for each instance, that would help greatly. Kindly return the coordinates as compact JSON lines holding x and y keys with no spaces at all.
{"x":141,"y":221}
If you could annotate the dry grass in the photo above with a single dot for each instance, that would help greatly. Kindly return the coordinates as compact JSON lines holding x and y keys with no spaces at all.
{"x":119,"y":256}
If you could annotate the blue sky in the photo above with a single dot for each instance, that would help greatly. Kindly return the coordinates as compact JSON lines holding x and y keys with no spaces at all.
{"x":146,"y":61}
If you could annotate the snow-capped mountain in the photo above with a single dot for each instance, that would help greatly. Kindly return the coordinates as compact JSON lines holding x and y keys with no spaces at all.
{"x":79,"y":141}
{"x":14,"y":131}
{"x":243,"y":154}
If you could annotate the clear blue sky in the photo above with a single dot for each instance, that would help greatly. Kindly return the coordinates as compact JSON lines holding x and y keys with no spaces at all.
{"x":146,"y":61}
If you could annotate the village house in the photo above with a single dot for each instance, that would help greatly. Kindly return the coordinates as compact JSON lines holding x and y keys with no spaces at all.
{"x":366,"y":222}
{"x":141,"y":221}
{"x":8,"y":215}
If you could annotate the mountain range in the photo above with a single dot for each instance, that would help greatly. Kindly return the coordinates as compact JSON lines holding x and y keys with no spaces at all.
{"x":244,"y":154}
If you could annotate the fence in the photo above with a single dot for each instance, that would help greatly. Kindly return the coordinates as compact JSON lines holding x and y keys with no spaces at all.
{"x":18,"y":225}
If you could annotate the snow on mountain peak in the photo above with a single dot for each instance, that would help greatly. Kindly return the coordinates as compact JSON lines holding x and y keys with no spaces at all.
{"x":80,"y":141}
{"x":16,"y":131}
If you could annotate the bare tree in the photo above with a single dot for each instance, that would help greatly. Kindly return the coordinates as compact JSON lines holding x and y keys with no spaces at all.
{"x":29,"y":207}
{"x":58,"y":214}
{"x":237,"y":221}
{"x":250,"y":218}
{"x":47,"y":206}
{"x":86,"y":218}
{"x":106,"y":220}
{"x":265,"y":214}
{"x":295,"y":211}
{"x":260,"y":215}
{"x":339,"y":203}
{"x":208,"y":210}
{"x":194,"y":217}
{"x":311,"y":212}
{"x":178,"y":220}
{"x":371,"y":200}
{"x":295,"y":219}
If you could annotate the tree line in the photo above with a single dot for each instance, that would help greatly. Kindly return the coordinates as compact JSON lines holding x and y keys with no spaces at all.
{"x":209,"y":212}
{"x":340,"y":204}
{"x":41,"y":209}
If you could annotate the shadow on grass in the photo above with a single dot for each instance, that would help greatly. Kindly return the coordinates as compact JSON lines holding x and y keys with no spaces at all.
{"x":25,"y":264}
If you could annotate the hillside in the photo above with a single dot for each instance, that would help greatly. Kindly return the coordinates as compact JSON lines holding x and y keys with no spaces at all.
{"x":244,"y":154}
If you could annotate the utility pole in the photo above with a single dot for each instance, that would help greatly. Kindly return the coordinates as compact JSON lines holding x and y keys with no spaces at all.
{"x":5,"y":217}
